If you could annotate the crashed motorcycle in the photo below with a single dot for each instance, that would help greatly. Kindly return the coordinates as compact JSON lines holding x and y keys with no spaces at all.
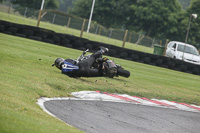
{"x":106,"y":67}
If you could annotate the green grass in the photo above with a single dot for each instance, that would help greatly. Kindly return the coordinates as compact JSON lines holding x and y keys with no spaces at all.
{"x":16,"y":18}
{"x":27,"y":74}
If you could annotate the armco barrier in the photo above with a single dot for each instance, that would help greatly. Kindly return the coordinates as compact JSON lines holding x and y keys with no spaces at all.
{"x":71,"y":41}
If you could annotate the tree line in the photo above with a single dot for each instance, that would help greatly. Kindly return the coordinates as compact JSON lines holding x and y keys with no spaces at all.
{"x":167,"y":19}
{"x":160,"y":19}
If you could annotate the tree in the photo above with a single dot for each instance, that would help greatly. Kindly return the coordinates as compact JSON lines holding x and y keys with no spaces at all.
{"x":33,"y":6}
{"x":156,"y":18}
{"x":64,"y":5}
{"x":194,"y":34}
{"x":163,"y":19}
{"x":109,"y":13}
{"x":49,"y":4}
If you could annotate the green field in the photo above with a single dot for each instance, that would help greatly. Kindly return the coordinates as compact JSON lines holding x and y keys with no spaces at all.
{"x":27,"y":74}
{"x":62,"y":29}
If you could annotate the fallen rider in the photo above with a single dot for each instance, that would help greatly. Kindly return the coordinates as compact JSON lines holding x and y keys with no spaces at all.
{"x":83,"y":68}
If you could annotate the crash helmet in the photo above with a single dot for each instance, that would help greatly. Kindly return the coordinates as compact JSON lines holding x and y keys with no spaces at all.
{"x":58,"y":62}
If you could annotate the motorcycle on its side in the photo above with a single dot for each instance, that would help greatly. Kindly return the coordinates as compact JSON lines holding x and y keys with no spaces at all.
{"x":106,"y":67}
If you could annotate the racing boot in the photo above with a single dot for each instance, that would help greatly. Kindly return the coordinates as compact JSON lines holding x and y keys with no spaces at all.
{"x":100,"y":52}
{"x":103,"y":50}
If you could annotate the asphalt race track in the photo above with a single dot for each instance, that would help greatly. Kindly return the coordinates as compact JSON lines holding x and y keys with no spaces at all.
{"x":117,"y":117}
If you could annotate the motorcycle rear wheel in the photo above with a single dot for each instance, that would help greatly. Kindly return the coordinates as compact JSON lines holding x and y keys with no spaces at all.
{"x":122,"y":72}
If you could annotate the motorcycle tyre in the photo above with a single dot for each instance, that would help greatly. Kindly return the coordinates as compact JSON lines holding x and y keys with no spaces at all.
{"x":122,"y":72}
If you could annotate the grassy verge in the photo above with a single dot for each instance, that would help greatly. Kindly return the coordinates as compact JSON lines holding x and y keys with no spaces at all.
{"x":26,"y":74}
{"x":62,"y":29}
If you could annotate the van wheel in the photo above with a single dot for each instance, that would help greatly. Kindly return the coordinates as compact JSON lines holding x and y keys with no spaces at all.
{"x":174,"y":57}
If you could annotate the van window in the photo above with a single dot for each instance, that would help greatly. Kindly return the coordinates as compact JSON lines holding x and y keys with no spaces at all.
{"x":170,"y":45}
{"x":190,"y":50}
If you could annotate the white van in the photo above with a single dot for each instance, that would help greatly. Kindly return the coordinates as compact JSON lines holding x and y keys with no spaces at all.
{"x":182,"y":51}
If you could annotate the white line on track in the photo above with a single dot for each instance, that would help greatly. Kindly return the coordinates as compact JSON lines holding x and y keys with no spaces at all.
{"x":103,"y":96}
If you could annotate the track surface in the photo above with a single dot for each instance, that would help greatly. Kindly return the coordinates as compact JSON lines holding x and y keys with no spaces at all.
{"x":115,"y":117}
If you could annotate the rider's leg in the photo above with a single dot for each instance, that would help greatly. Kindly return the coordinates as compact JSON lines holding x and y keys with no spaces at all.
{"x":84,"y":65}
